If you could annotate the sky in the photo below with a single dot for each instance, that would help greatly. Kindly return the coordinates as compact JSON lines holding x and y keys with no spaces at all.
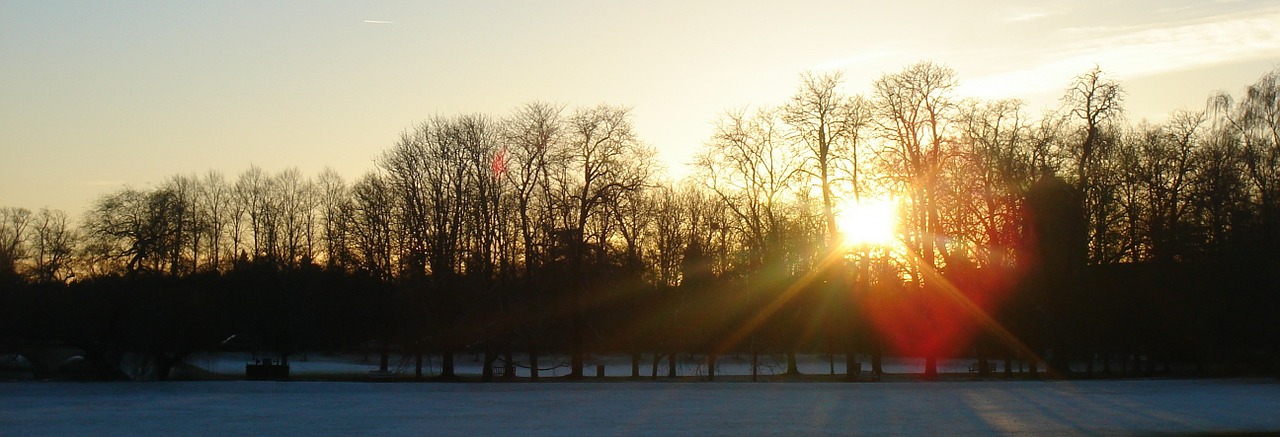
{"x":97,"y":96}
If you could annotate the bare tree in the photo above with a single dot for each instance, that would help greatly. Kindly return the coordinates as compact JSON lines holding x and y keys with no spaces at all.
{"x":1166,"y":167}
{"x":334,"y":197}
{"x":605,"y":159}
{"x":534,"y":136}
{"x":52,"y":245}
{"x":137,"y":228}
{"x":477,"y":139}
{"x":1095,"y":101}
{"x":913,"y":106}
{"x":187,"y":233}
{"x":1255,"y":123}
{"x":996,"y":166}
{"x":679,"y":217}
{"x":1220,"y":185}
{"x":445,"y":175}
{"x":981,"y":203}
{"x":415,"y":180}
{"x":535,"y":143}
{"x":373,"y":215}
{"x":750,"y":168}
{"x":829,"y":127}
{"x":668,"y":233}
{"x":295,"y":203}
{"x":255,"y":198}
{"x":914,"y":109}
{"x":214,"y":200}
{"x":13,"y":234}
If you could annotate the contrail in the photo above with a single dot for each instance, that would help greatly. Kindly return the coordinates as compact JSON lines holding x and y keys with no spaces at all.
{"x":378,"y":22}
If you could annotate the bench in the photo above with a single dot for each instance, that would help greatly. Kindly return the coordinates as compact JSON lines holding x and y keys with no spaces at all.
{"x":267,"y":369}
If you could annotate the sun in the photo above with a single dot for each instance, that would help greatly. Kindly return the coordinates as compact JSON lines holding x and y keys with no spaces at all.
{"x":870,"y":222}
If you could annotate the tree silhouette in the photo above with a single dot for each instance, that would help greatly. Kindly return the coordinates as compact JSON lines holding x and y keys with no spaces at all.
{"x":1074,"y":237}
{"x":913,"y":107}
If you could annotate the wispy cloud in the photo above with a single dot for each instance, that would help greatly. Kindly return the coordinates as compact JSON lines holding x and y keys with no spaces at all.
{"x":1027,"y":16}
{"x":378,"y":22}
{"x":1137,"y":52}
{"x":1174,"y":9}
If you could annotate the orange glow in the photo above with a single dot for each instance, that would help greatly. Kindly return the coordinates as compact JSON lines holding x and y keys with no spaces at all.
{"x":942,"y":317}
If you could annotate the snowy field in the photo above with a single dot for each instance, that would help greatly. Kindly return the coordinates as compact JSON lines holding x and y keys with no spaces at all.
{"x":640,"y":408}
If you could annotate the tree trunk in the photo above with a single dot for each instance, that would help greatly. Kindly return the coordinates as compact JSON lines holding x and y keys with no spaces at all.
{"x":384,"y":357}
{"x":851,"y":367}
{"x":164,"y":366}
{"x":508,"y":364}
{"x":755,"y":361}
{"x":486,"y":373}
{"x":711,"y":367}
{"x":831,"y":361}
{"x":792,"y":367}
{"x":877,"y":356}
{"x":1060,"y":364}
{"x":984,"y":362}
{"x":41,"y":368}
{"x":576,"y":362}
{"x":577,"y":359}
{"x":446,"y":364}
{"x":533,"y":365}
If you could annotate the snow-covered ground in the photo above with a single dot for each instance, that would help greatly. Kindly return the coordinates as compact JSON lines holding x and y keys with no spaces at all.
{"x":640,"y":408}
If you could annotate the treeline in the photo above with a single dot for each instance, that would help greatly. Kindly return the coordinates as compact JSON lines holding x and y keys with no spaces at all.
{"x":1073,"y":236}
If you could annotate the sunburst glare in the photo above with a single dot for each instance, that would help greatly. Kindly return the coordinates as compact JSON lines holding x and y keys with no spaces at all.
{"x":869,"y":222}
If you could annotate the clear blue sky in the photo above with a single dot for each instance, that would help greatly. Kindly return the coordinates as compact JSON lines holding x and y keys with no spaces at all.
{"x":98,"y":95}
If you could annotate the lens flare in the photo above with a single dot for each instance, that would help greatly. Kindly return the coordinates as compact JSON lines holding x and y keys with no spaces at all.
{"x":872,"y":221}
